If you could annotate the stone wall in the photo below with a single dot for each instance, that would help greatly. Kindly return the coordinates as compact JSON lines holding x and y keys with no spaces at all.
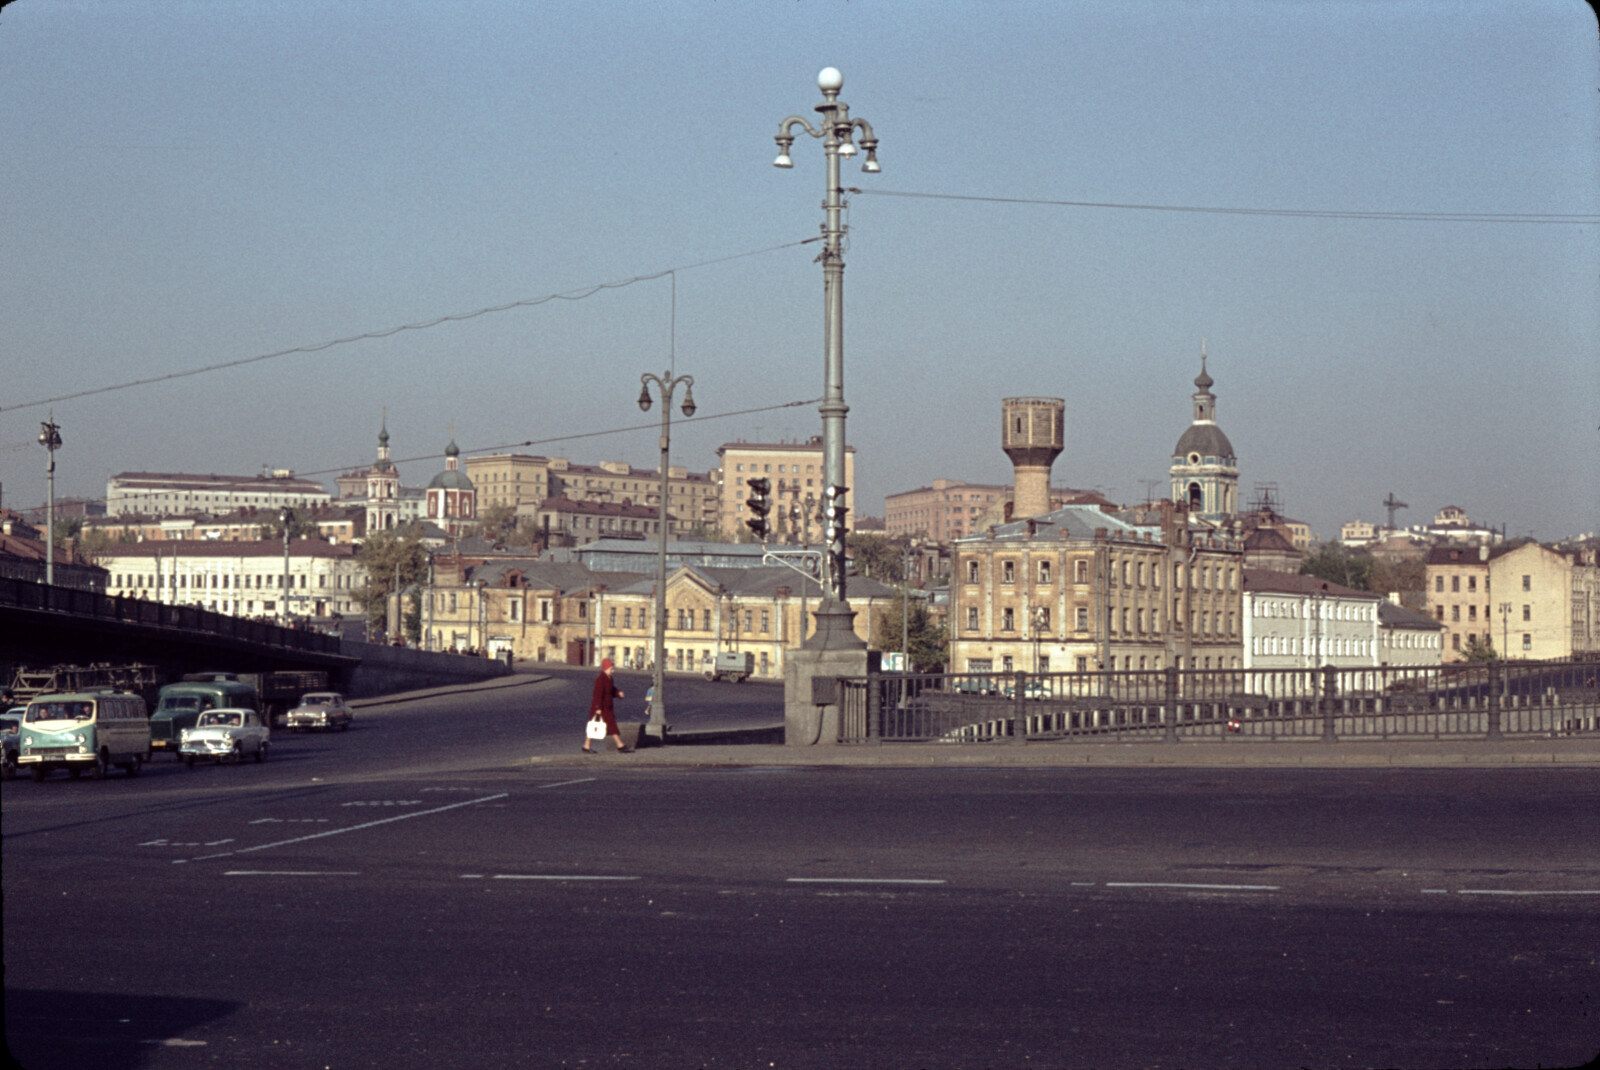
{"x":387,"y":669}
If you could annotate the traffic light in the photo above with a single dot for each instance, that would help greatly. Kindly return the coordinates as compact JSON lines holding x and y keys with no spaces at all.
{"x":833,"y":513}
{"x":760,"y":505}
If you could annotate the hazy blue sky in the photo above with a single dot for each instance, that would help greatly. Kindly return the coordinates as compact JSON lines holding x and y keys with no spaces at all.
{"x":189,"y":183}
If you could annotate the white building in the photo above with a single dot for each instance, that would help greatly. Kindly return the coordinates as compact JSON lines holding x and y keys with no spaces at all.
{"x":1406,"y":638}
{"x":241,"y":579}
{"x":160,"y":493}
{"x":1302,"y":622}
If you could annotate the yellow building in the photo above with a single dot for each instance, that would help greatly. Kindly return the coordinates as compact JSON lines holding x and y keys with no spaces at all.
{"x":796,"y":472}
{"x":1456,"y":591}
{"x":1546,"y":603}
{"x":525,"y":482}
{"x":1079,"y":590}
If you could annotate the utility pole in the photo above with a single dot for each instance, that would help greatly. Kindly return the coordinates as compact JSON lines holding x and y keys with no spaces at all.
{"x":50,"y":439}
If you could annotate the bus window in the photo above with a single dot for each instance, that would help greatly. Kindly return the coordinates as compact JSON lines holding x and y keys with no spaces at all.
{"x":58,"y":711}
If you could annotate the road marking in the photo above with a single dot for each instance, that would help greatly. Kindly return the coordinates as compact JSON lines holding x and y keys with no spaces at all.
{"x":861,"y":880}
{"x":1203,"y":887}
{"x":565,"y":783}
{"x":384,"y":802}
{"x":290,"y":821}
{"x":1435,"y":891}
{"x":337,"y":832}
{"x":292,"y":873}
{"x":1527,"y":891}
{"x":550,"y":877}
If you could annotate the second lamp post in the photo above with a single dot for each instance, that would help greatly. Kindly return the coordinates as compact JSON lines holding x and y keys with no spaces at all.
{"x":666,"y":385}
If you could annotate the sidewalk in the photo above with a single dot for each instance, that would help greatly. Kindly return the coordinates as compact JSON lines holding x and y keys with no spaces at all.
{"x":1225,"y":754}
{"x":518,"y":678}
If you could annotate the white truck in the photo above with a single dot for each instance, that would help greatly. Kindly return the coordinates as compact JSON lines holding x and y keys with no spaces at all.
{"x":737,"y":666}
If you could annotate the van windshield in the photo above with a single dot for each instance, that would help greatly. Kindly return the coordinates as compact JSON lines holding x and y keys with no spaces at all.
{"x":59,"y":711}
{"x":180,"y":702}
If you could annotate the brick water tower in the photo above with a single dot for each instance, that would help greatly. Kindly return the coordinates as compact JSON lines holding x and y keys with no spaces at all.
{"x":1032,"y":434}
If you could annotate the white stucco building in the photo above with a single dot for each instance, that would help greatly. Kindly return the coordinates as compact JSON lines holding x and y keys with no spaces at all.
{"x":241,"y":579}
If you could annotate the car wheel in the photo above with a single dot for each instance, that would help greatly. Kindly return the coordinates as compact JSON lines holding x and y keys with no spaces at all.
{"x":101,"y":766}
{"x":187,"y":759}
{"x":344,"y":726}
{"x":9,"y":771}
{"x":238,"y":753}
{"x":261,"y":755}
{"x":133,"y":765}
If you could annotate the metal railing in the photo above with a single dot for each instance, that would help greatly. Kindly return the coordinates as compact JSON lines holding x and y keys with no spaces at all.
{"x":1489,"y":700}
{"x":25,"y":594}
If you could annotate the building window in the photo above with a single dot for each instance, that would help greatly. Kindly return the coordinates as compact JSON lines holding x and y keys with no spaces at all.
{"x":1044,"y":572}
{"x":1455,"y":612}
{"x":1007,"y":665}
{"x":1080,"y":571}
{"x":766,"y":621}
{"x":1042,"y":619}
{"x":1472,"y":584}
{"x":1472,"y":612}
{"x":1455,"y":584}
{"x":1082,"y":622}
{"x":972,"y":618}
{"x":1527,"y":583}
{"x":1008,"y":619}
{"x":612,"y":621}
{"x":1008,"y":572}
{"x":972,"y":572}
{"x":1083,"y":664}
{"x":1527,"y":641}
{"x":1527,"y":612}
{"x":1455,"y":641}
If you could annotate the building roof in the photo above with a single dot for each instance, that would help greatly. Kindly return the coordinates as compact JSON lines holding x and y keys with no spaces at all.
{"x":192,"y":481}
{"x":1070,"y":522}
{"x":591,"y":508}
{"x":1268,"y":539}
{"x":1266,"y":581}
{"x":213,"y":548}
{"x":1205,"y":439}
{"x":1391,"y":615}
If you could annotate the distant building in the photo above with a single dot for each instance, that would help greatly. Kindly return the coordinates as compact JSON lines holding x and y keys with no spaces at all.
{"x":1456,"y":586}
{"x":160,"y":493}
{"x":1270,"y":550}
{"x":948,"y":509}
{"x":1547,"y":603}
{"x":1303,"y":622}
{"x":564,"y":522}
{"x":1407,"y":638}
{"x":795,"y":470}
{"x":22,"y":557}
{"x":1358,"y":533}
{"x":452,"y":500}
{"x":240,"y":579}
{"x":523,"y":482}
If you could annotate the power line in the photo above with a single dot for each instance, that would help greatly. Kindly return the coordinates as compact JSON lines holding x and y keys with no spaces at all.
{"x":1293,"y":213}
{"x":455,"y":317}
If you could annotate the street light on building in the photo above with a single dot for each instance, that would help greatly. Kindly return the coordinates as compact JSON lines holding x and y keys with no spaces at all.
{"x":837,"y":132}
{"x":666,"y":385}
{"x":50,"y":439}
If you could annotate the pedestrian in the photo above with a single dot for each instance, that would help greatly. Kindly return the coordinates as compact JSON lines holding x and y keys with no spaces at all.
{"x":602,"y":705}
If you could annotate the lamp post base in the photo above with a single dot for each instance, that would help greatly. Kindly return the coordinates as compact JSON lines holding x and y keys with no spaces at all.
{"x":832,"y":650}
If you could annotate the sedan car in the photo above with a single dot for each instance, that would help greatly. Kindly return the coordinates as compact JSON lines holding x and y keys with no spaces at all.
{"x":321,"y":709}
{"x":225,"y":735}
{"x":10,"y":731}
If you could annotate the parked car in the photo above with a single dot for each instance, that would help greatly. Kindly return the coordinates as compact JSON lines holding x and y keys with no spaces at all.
{"x":1031,"y":689}
{"x":10,"y":737}
{"x":225,"y":735}
{"x":974,"y":685}
{"x":321,"y":709}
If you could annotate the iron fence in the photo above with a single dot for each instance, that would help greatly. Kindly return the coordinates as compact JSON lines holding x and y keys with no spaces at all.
{"x":1488,"y":700}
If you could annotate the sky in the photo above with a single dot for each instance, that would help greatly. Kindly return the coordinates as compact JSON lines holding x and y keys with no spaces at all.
{"x":194,"y":184}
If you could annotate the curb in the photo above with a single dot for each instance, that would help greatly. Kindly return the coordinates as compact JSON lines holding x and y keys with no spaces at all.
{"x":497,"y":683}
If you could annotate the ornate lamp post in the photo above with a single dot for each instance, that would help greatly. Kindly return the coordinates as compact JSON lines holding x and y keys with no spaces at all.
{"x":50,"y":439}
{"x":837,"y":129}
{"x":666,"y":384}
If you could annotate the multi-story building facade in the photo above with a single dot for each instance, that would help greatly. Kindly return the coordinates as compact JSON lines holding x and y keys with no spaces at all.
{"x":175,"y":492}
{"x":1293,"y":621}
{"x":565,"y":522}
{"x":1456,"y":590}
{"x":1080,"y":590}
{"x":241,"y":579}
{"x":1546,"y":602}
{"x":525,"y":482}
{"x":335,"y":523}
{"x":534,"y":610}
{"x":949,"y":509}
{"x":796,"y":472}
{"x":22,"y":557}
{"x":1407,"y":639}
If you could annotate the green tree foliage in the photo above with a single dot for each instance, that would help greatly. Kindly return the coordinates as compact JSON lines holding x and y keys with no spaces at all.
{"x":925,"y":639}
{"x":1480,"y":649}
{"x":301,"y":526}
{"x":1338,"y":565}
{"x":383,"y":556}
{"x":878,"y":557}
{"x":498,"y":522}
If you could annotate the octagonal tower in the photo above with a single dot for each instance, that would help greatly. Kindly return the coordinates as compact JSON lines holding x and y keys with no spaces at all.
{"x":1033,"y":433}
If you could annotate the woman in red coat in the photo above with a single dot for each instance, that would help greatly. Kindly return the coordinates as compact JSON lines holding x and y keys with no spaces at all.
{"x":601,"y":705}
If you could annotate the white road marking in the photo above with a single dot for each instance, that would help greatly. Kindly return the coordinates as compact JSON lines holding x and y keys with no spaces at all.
{"x":384,"y":802}
{"x":340,"y":831}
{"x":1203,"y":887}
{"x":861,"y":880}
{"x":1435,"y":891}
{"x":553,"y":877}
{"x":565,"y":783}
{"x":1527,"y":891}
{"x":292,"y":873}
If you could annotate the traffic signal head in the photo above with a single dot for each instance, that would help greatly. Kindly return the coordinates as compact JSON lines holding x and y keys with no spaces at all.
{"x":833,"y":512}
{"x":760,"y":506}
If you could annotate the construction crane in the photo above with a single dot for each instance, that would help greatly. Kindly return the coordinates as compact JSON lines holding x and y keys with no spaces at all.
{"x":1392,"y":504}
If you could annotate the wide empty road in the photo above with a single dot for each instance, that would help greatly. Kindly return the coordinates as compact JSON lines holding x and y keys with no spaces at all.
{"x":405,"y":894}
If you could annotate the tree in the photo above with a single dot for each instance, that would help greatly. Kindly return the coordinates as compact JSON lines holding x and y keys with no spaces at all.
{"x":1338,"y":565}
{"x":498,"y":522}
{"x":383,"y":556}
{"x":301,"y":526}
{"x":1480,"y":649}
{"x":877,"y":557}
{"x":925,"y":639}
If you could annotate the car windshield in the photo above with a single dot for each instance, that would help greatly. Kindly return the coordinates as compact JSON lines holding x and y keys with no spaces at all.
{"x":219,"y":720}
{"x":59,"y":711}
{"x":320,"y":700}
{"x":179,"y":702}
{"x":10,"y":724}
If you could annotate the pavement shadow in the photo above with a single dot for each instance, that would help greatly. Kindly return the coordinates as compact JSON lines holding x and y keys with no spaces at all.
{"x":65,"y":1030}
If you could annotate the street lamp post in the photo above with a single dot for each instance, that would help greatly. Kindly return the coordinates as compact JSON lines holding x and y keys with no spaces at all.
{"x":834,"y":628}
{"x":1505,"y":628}
{"x":287,"y":516}
{"x":666,"y":385}
{"x":50,"y":439}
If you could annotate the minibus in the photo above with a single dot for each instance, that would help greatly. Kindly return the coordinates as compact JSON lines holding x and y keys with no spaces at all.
{"x":91,"y":730}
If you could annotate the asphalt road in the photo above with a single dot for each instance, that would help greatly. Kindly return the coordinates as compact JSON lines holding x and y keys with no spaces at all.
{"x":404,"y":894}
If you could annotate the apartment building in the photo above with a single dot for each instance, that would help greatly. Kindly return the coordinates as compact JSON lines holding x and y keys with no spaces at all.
{"x":241,"y":579}
{"x":176,"y":492}
{"x":1456,"y":591}
{"x":795,"y":470}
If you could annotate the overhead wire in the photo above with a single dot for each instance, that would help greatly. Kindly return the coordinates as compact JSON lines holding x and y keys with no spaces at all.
{"x":422,"y":325}
{"x":1294,"y":213}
